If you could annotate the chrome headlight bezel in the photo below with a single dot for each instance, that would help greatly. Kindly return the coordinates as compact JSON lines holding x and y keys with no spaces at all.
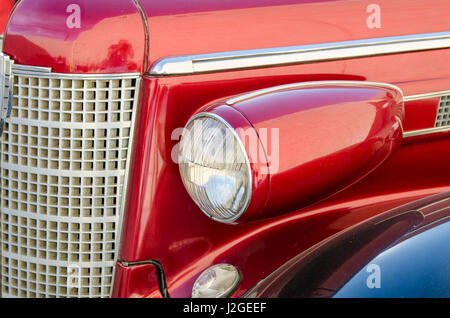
{"x":242,"y":149}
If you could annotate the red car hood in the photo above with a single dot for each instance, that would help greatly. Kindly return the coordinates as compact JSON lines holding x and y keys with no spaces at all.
{"x":5,"y":8}
{"x":129,"y":36}
{"x":179,"y":27}
{"x":110,"y":39}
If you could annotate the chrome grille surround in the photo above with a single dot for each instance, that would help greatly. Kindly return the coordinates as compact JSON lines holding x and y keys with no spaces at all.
{"x":65,"y":153}
{"x":6,"y":83}
{"x":443,"y":112}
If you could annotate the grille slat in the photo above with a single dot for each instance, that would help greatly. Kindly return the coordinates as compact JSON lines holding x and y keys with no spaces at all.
{"x":64,"y":158}
{"x":443,"y":112}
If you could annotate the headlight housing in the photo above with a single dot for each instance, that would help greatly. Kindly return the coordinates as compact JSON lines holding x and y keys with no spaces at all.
{"x":215,"y":168}
{"x":296,"y":159}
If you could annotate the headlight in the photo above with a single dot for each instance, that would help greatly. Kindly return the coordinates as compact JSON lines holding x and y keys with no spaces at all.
{"x":215,"y":168}
{"x":218,"y":281}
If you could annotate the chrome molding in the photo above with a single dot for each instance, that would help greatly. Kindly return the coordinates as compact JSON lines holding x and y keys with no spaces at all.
{"x":6,"y":88}
{"x":25,"y":69}
{"x":146,"y":30}
{"x":317,"y":84}
{"x":224,"y":61}
{"x":37,"y":70}
{"x":426,"y":96}
{"x":428,"y":131}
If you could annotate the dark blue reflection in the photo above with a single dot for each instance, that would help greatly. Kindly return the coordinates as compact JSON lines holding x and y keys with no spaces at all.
{"x":416,"y":267}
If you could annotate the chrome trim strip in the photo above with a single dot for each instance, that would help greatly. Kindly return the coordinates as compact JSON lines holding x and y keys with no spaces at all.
{"x":426,"y":96}
{"x":25,"y":69}
{"x":146,"y":30}
{"x":6,"y":88}
{"x":223,"y":61}
{"x":264,"y":91}
{"x":427,"y":131}
{"x":28,"y":70}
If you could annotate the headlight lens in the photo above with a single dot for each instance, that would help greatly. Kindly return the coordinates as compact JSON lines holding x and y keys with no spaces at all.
{"x":215,"y":168}
{"x":218,"y":281}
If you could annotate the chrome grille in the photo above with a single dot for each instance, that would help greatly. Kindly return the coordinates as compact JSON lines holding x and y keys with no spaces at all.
{"x":443,"y":113}
{"x":64,"y":158}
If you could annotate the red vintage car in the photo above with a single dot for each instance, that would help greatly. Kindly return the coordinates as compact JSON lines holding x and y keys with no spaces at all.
{"x":192,"y":148}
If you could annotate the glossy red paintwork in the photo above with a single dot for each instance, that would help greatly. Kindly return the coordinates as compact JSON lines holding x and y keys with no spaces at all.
{"x":176,"y":233}
{"x":161,"y":221}
{"x":142,"y":279}
{"x":111,"y":38}
{"x":5,"y":9}
{"x":421,"y":114}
